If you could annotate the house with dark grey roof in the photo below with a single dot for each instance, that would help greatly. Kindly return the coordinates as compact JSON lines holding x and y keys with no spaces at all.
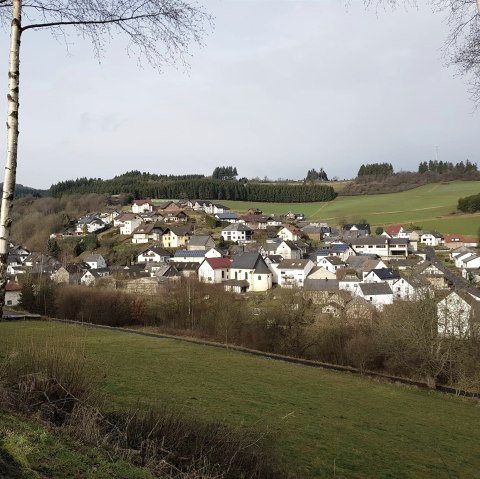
{"x":285,"y":249}
{"x":227,"y":217}
{"x":186,"y":256}
{"x":379,"y":294}
{"x":200,"y":242}
{"x":380,"y":275}
{"x":337,"y":248}
{"x":142,"y":233}
{"x":331,"y":263}
{"x":237,"y":232}
{"x":95,"y":261}
{"x":176,"y":236}
{"x":431,"y":238}
{"x":251,"y":267}
{"x":155,"y":254}
{"x":360,"y":229}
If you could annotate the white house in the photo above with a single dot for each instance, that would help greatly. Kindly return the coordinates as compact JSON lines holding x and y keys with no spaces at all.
{"x":412,"y":288}
{"x":95,"y":261}
{"x":286,"y":249}
{"x":294,"y":272}
{"x":381,"y":275}
{"x":12,"y":293}
{"x":379,"y":294}
{"x":431,"y":238}
{"x":155,"y":254}
{"x":249,"y":272}
{"x":458,"y":314}
{"x":142,"y":233}
{"x":331,"y":263}
{"x":214,"y":270}
{"x":237,"y":232}
{"x":370,"y":245}
{"x":90,"y":224}
{"x":128,"y":222}
{"x":141,"y":206}
{"x":289,"y":232}
{"x":90,"y":277}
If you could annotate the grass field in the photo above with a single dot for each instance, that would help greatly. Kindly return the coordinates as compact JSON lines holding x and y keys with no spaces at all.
{"x":326,"y":424}
{"x":430,"y":206}
{"x":32,"y":451}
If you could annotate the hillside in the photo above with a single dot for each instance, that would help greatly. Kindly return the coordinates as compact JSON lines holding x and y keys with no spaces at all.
{"x":326,"y":423}
{"x":30,"y":450}
{"x":431,"y":206}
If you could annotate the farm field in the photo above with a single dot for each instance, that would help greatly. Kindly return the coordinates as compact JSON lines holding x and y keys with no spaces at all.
{"x":326,"y":424}
{"x":430,"y":206}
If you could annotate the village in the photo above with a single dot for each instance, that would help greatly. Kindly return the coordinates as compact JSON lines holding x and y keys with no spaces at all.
{"x":351,"y":269}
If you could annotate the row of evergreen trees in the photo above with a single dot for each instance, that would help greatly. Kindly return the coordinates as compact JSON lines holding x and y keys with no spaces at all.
{"x":446,"y":166}
{"x":314,"y":175}
{"x":376,"y":169}
{"x":469,"y":204}
{"x":198,"y":188}
{"x":225,"y":173}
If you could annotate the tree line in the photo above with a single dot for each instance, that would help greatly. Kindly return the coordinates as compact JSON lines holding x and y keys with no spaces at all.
{"x":446,"y":166}
{"x":209,"y":189}
{"x":314,"y":175}
{"x":225,"y":173}
{"x":375,"y":169}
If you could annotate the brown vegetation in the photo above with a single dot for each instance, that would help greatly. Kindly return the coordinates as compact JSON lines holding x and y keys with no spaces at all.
{"x":34,"y":219}
{"x":401,"y":341}
{"x":54,"y":384}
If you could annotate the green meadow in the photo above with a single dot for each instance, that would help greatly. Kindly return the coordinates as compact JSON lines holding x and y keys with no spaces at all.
{"x":430,"y":206}
{"x":325,"y":424}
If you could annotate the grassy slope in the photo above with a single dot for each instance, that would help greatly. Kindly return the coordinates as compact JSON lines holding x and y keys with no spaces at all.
{"x":430,"y":206}
{"x":321,"y":418}
{"x":30,"y":451}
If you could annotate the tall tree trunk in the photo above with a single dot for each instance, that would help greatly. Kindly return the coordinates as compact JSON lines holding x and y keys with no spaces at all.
{"x":12,"y":142}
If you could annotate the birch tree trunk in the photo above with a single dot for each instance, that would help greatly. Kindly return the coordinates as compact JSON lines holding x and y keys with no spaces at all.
{"x":12,"y":142}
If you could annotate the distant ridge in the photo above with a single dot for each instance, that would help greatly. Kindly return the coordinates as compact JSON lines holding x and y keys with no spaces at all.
{"x":21,"y":191}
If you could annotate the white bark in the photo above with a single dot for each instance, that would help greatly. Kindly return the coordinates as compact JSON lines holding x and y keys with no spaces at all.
{"x":12,"y":142}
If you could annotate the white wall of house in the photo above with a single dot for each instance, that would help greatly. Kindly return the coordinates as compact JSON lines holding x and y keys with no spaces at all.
{"x":453,"y":314}
{"x":258,"y":282}
{"x":129,"y":225}
{"x":207,"y":274}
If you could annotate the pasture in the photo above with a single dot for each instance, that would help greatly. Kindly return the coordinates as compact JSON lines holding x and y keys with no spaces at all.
{"x":430,"y":206}
{"x":326,"y":424}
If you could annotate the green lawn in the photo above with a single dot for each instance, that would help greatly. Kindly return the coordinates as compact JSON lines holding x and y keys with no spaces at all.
{"x":323,"y":421}
{"x":431,"y":206}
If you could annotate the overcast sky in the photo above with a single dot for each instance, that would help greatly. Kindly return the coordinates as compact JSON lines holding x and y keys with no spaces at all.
{"x":279,"y":88}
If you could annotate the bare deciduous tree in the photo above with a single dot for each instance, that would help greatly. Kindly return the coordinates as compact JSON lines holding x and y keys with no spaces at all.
{"x":158,"y":32}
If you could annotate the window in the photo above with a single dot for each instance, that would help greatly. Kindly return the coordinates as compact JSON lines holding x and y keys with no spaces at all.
{"x":259,"y":278}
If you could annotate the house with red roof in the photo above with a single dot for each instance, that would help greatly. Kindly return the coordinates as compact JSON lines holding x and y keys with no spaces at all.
{"x":214,"y":270}
{"x":395,"y":231}
{"x":290,"y":232}
{"x":453,"y":241}
{"x":12,"y":293}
